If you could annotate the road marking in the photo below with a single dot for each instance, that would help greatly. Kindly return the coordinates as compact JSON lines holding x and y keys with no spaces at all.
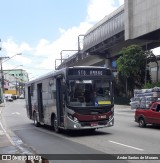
{"x":126,"y":145}
{"x":17,"y":113}
{"x":5,"y":132}
{"x":1,"y":132}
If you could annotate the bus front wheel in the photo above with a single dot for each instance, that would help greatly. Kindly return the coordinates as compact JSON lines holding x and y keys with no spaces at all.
{"x":36,"y":123}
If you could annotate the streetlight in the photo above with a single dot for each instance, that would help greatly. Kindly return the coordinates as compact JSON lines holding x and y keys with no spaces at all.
{"x":63,"y":51}
{"x":56,"y":62}
{"x":8,"y":58}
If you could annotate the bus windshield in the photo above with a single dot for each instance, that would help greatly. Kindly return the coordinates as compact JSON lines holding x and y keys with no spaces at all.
{"x":89,"y":93}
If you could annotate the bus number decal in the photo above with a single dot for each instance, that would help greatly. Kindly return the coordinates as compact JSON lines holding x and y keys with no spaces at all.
{"x":81,"y":72}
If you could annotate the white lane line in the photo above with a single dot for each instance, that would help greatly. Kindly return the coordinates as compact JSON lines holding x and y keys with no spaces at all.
{"x":126,"y":145}
{"x":17,"y":113}
{"x":5,"y":132}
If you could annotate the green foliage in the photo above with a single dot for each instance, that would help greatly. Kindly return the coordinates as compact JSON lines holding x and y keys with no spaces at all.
{"x":151,"y":85}
{"x":131,"y":61}
{"x":148,"y":86}
{"x":131,"y":66}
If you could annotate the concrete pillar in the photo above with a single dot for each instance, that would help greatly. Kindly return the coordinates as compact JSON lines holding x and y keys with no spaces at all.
{"x":108,"y":63}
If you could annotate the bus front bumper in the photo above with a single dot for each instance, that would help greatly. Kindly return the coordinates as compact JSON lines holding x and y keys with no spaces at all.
{"x":73,"y":125}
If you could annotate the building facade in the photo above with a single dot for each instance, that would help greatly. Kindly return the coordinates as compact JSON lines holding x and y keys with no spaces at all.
{"x":154,"y":70}
{"x":14,"y":81}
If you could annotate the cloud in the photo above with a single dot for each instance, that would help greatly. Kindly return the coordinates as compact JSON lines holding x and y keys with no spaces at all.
{"x":11,"y":48}
{"x":156,"y":51}
{"x":61,"y":30}
{"x":97,"y":10}
{"x":47,"y":51}
{"x":43,"y":48}
{"x":68,"y":40}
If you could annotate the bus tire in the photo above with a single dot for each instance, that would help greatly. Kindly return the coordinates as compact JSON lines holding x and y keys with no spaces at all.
{"x":56,"y":128}
{"x":92,"y":130}
{"x":36,"y":123}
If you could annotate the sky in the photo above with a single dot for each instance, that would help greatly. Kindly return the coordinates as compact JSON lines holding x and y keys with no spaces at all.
{"x":41,"y":29}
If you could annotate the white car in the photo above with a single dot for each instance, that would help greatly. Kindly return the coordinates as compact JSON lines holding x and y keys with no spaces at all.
{"x":21,"y":96}
{"x":135,"y":102}
{"x":8,"y":97}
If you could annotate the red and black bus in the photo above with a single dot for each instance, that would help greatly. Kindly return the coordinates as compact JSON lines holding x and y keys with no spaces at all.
{"x":73,"y":98}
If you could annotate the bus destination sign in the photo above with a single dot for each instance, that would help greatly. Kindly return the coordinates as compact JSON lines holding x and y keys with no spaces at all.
{"x":89,"y":72}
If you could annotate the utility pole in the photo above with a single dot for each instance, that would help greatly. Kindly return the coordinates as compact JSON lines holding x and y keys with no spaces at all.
{"x":1,"y":70}
{"x":2,"y":75}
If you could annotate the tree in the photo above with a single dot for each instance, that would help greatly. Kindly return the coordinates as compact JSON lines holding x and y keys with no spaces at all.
{"x":132,"y":66}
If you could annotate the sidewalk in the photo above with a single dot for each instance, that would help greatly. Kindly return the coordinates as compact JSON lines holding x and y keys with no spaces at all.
{"x":7,"y":146}
{"x":12,"y":147}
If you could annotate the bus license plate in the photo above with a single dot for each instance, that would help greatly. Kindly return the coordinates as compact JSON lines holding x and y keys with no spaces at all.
{"x":94,"y":124}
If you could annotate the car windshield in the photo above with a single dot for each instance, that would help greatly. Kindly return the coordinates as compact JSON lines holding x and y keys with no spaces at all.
{"x":89,"y":93}
{"x":151,"y":98}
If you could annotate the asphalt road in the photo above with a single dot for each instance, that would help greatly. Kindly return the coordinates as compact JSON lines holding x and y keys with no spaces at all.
{"x":125,"y":137}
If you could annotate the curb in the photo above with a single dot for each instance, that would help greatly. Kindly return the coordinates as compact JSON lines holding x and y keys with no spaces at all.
{"x":11,"y":143}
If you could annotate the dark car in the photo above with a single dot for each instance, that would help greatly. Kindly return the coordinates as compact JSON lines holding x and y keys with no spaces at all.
{"x":150,"y":115}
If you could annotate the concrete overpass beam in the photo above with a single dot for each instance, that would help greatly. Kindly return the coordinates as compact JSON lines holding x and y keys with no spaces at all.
{"x":108,"y":63}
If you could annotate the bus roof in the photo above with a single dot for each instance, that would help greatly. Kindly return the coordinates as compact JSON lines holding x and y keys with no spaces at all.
{"x":62,"y":71}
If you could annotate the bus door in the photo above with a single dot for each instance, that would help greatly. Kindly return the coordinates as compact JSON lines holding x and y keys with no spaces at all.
{"x":40,"y":101}
{"x":60,"y":100}
{"x":29,"y":102}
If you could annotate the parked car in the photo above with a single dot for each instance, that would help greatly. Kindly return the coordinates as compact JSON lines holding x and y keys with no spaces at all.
{"x":8,"y":97}
{"x":21,"y":96}
{"x":14,"y":97}
{"x":151,"y":115}
{"x":135,"y":102}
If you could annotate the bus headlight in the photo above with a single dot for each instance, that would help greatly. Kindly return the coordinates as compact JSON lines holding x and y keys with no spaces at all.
{"x":72,"y":117}
{"x":75,"y":119}
{"x":110,"y":117}
{"x":112,"y":109}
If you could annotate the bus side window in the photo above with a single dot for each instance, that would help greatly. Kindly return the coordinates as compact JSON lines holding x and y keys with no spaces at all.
{"x":54,"y":95}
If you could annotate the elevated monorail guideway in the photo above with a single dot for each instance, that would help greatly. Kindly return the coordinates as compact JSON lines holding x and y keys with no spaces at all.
{"x":99,"y":35}
{"x":127,"y":25}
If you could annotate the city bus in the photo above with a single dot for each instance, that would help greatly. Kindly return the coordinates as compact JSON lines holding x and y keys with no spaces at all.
{"x":73,"y":98}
